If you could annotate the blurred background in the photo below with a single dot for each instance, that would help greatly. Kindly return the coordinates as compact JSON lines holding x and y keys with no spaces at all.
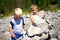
{"x":7,"y":6}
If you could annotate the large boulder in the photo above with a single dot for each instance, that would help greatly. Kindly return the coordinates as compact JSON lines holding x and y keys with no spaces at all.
{"x":32,"y":30}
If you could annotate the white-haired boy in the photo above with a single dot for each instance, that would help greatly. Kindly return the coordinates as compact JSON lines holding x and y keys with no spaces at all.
{"x":17,"y":25}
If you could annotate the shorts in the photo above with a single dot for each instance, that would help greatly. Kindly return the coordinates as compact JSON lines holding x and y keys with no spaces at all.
{"x":17,"y":36}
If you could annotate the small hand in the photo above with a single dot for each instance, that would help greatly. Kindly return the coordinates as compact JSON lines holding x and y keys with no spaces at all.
{"x":13,"y":35}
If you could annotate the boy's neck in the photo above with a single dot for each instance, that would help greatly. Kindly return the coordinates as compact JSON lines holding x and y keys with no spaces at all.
{"x":17,"y":18}
{"x":35,"y":13}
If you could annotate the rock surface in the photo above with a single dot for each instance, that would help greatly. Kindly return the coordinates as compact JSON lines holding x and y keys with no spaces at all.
{"x":53,"y":18}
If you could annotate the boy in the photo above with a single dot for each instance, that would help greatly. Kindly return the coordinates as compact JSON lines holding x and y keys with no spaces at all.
{"x":38,"y":24}
{"x":17,"y":25}
{"x":35,"y":19}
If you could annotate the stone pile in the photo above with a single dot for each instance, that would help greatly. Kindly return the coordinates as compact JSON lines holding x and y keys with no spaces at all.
{"x":52,"y":19}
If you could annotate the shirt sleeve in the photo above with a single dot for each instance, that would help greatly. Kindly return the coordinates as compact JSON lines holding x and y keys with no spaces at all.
{"x":10,"y":24}
{"x":23,"y":21}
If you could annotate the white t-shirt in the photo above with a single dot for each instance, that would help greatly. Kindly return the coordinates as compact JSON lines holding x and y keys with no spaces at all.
{"x":37,"y":19}
{"x":17,"y":25}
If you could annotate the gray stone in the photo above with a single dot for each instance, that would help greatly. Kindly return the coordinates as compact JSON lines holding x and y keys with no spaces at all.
{"x":7,"y":35}
{"x":59,"y":35}
{"x":41,"y":13}
{"x":53,"y":33}
{"x":53,"y":39}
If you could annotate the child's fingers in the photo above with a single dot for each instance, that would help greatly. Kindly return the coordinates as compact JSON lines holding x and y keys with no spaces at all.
{"x":13,"y":35}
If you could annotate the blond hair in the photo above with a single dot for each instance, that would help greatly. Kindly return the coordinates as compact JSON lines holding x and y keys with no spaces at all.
{"x":33,"y":6}
{"x":18,"y":11}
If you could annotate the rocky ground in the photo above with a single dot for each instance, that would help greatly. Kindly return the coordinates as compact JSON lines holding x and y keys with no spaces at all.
{"x":52,"y":17}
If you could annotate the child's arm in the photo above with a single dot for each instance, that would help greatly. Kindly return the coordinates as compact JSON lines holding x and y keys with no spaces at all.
{"x":10,"y":30}
{"x":25,"y":28}
{"x":31,"y":19}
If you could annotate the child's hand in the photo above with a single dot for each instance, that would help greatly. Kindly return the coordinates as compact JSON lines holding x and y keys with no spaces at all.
{"x":13,"y":35}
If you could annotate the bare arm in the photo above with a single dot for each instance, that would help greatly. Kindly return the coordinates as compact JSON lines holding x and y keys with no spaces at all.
{"x":12,"y":34}
{"x":25,"y":28}
{"x":31,"y":19}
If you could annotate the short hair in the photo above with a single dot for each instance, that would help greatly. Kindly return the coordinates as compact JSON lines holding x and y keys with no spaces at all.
{"x":18,"y":11}
{"x":33,"y":6}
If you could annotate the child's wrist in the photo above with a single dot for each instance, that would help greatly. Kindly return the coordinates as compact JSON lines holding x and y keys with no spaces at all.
{"x":12,"y":33}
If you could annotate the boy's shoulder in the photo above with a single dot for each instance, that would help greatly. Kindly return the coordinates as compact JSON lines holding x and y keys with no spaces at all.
{"x":13,"y":20}
{"x":22,"y":18}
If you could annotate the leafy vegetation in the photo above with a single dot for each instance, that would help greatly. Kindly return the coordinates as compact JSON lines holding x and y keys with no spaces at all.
{"x":7,"y":6}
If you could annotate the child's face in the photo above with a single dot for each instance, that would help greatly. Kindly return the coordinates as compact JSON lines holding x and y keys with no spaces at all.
{"x":34,"y":11}
{"x":17,"y":17}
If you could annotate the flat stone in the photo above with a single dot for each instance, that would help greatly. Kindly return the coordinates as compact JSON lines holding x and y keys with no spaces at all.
{"x":53,"y":39}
